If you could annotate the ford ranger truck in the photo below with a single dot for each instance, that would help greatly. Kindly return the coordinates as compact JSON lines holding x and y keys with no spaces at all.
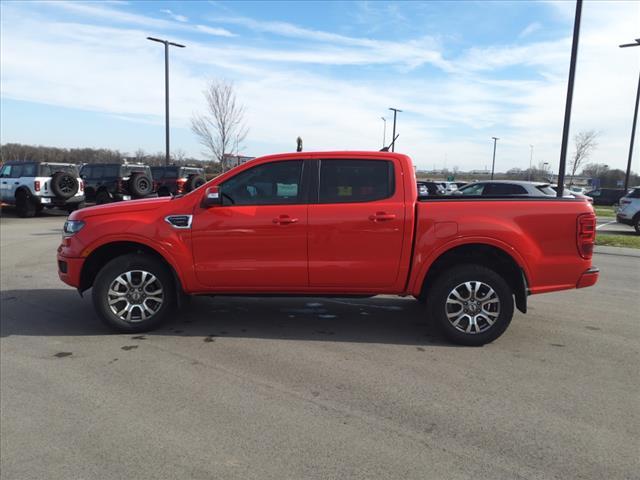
{"x":329,"y":224}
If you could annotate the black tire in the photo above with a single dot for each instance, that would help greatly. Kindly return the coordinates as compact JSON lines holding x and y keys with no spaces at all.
{"x":455,"y":278}
{"x":140,"y":185}
{"x":636,"y":224}
{"x":64,"y":185}
{"x":193,"y":182}
{"x":103,"y":197}
{"x":26,"y":206}
{"x":137,"y":263}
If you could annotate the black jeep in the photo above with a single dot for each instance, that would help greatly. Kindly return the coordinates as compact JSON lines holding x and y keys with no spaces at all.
{"x":109,"y":182}
{"x":174,"y":180}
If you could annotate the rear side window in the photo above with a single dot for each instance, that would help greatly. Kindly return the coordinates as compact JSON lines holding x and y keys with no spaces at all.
{"x":48,"y":170}
{"x":473,"y":189}
{"x":504,"y":189}
{"x":267,"y":184}
{"x":347,"y":181}
{"x":547,"y":190}
{"x":29,"y":170}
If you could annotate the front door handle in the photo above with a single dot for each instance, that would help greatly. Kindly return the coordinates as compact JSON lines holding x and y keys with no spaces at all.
{"x":382,"y":217}
{"x":284,"y":220}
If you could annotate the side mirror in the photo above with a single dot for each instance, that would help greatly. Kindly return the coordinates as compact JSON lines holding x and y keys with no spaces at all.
{"x":212,"y":197}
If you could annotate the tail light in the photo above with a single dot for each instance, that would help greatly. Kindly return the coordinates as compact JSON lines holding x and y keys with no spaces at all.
{"x":121,"y":186}
{"x":586,"y":234}
{"x":36,"y":185}
{"x":81,"y":186}
{"x":181,"y":183}
{"x":624,"y":201}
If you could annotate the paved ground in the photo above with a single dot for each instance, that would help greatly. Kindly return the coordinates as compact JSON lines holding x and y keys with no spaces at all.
{"x":609,"y":225}
{"x":292,"y":389}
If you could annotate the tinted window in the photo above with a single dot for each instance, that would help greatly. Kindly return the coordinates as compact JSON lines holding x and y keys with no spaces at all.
{"x":127,"y":171}
{"x":16,"y":171}
{"x":48,"y":170}
{"x":504,"y":189}
{"x":344,"y":181}
{"x":267,"y":184}
{"x":29,"y":170}
{"x":635,"y":193}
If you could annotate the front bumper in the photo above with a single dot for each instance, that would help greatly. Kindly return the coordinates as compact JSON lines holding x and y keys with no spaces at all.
{"x":624,"y":220}
{"x":69,"y":269}
{"x":588,"y":278}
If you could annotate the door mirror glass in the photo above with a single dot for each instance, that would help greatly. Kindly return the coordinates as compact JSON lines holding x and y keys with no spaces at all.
{"x":211,"y":197}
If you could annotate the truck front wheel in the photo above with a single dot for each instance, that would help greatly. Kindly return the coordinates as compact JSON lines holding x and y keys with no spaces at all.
{"x":134,"y":293}
{"x":471,"y":304}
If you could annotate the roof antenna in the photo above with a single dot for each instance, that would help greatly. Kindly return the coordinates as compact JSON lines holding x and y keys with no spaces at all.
{"x":299,"y":144}
{"x":386,"y":149}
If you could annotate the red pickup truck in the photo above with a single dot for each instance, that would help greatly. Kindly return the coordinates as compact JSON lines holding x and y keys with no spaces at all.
{"x":329,"y":224}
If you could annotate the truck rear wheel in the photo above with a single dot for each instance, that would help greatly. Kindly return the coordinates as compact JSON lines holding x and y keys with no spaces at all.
{"x":134,"y":293}
{"x":471,"y":304}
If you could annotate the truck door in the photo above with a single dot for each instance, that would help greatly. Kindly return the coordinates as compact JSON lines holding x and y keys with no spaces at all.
{"x":257,"y":239}
{"x":356,"y":226}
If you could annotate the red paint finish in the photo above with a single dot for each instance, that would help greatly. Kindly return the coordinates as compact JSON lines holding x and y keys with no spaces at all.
{"x":381,"y":246}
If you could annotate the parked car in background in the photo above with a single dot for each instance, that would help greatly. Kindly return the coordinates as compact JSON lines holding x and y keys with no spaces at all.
{"x":506,"y":187}
{"x":629,"y":209}
{"x":576,"y":189}
{"x":460,"y":184}
{"x":175,"y":180}
{"x":430,"y":189}
{"x":448,"y":187}
{"x":109,"y":182}
{"x":606,"y":196}
{"x":329,"y":224}
{"x":571,"y":193}
{"x":33,"y":186}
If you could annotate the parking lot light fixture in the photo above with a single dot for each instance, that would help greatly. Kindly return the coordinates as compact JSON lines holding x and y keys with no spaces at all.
{"x":493,"y":164}
{"x":166,"y":88}
{"x":635,"y":120}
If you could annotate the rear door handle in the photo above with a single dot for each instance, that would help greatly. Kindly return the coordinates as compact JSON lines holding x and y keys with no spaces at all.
{"x":284,"y":220}
{"x":382,"y":217}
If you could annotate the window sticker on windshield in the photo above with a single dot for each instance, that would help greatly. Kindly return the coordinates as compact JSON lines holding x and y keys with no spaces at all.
{"x":345,"y":191}
{"x":287,"y":190}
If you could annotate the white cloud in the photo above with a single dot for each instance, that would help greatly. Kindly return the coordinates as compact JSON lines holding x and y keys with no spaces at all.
{"x":175,"y":16}
{"x":529,"y":29}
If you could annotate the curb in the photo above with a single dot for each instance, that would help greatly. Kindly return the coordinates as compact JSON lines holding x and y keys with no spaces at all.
{"x":619,"y":251}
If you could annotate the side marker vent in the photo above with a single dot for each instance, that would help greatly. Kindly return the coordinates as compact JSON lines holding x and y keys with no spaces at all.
{"x":179,"y":221}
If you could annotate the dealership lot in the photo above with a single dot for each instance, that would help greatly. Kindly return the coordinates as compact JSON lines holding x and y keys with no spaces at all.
{"x":312,"y":388}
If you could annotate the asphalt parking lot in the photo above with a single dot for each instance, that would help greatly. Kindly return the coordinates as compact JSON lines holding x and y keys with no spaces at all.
{"x":306,"y":388}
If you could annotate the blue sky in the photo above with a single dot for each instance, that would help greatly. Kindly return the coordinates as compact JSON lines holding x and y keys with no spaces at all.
{"x":82,"y":74}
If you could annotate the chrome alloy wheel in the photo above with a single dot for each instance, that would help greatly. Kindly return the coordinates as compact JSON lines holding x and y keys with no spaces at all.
{"x":136,"y":295}
{"x":473,"y":307}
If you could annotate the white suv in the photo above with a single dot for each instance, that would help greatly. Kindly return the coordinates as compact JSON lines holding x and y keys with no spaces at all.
{"x":629,"y":209}
{"x":32,"y":186}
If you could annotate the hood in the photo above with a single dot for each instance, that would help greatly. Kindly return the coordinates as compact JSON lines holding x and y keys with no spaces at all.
{"x":140,"y":205}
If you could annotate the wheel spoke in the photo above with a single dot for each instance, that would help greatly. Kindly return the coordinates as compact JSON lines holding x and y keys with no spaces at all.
{"x":139,"y":286}
{"x":472,"y":307}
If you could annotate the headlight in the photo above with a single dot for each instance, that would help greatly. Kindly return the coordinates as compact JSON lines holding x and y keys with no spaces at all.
{"x":71,"y":227}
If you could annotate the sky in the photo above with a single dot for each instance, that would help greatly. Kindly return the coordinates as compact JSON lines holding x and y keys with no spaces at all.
{"x":82,"y":74}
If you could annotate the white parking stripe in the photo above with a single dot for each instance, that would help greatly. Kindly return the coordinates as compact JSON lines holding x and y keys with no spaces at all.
{"x":604,"y":225}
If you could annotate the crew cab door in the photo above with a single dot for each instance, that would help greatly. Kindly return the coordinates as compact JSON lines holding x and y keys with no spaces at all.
{"x":257,"y":238}
{"x":356,"y":225}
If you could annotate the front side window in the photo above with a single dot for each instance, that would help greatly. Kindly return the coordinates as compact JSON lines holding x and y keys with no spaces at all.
{"x":347,"y":181}
{"x":6,"y":171}
{"x":268,"y":184}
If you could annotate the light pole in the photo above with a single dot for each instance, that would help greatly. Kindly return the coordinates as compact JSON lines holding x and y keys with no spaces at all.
{"x":635,"y":120}
{"x":166,"y":89}
{"x":393,"y":139}
{"x":493,"y":164}
{"x":530,"y":161}
{"x":567,"y":109}
{"x":384,"y":132}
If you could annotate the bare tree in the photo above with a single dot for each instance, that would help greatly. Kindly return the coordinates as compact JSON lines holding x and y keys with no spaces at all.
{"x":585,"y":144}
{"x":222,"y":124}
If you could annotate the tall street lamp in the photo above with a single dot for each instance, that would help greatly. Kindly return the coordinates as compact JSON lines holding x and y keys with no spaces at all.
{"x":384,"y":132}
{"x":635,"y":120}
{"x":393,"y":139}
{"x":493,"y":164}
{"x":166,"y":88}
{"x":567,"y":109}
{"x":530,"y":161}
